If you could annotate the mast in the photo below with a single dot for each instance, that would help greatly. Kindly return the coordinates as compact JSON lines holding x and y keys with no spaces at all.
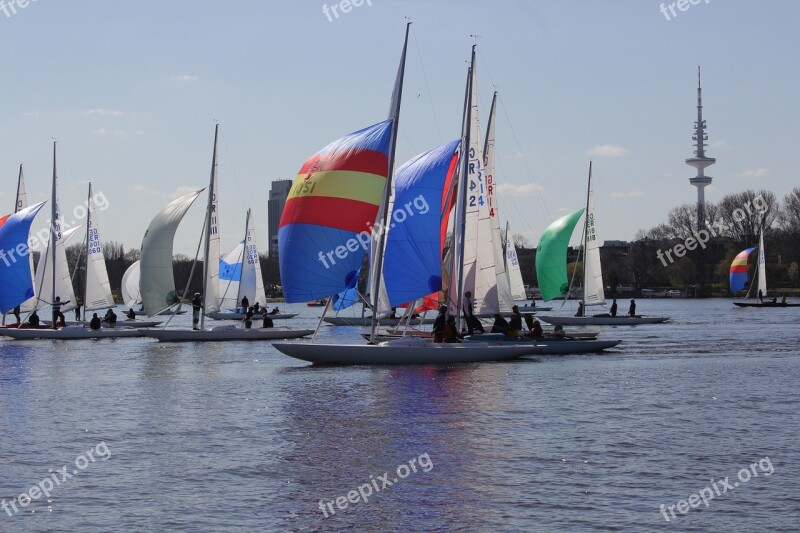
{"x":586,"y":237}
{"x":20,"y":185}
{"x":209,"y":215}
{"x":394,"y":113}
{"x":88,"y":236}
{"x":461,"y":202}
{"x":243,"y":262}
{"x":54,"y":227}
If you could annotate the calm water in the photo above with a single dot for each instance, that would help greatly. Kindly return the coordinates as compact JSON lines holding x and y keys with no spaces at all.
{"x":237,"y":437}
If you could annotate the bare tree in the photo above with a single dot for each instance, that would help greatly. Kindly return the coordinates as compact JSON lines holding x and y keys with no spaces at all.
{"x":742,"y":215}
{"x":790,"y":212}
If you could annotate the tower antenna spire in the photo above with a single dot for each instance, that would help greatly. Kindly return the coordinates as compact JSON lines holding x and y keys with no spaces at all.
{"x":700,"y":161}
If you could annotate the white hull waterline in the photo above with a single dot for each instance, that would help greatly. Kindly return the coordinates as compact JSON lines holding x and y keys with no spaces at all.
{"x":225,"y":333}
{"x":603,"y":320}
{"x":220,"y":315}
{"x":402,"y":352}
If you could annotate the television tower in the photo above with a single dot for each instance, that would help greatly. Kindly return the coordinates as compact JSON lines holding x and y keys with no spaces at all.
{"x":700,"y":161}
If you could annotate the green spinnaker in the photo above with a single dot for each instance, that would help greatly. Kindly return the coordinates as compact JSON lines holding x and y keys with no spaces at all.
{"x":551,"y":256}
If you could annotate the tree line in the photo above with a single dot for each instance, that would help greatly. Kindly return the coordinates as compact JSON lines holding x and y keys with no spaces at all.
{"x":705,"y":268}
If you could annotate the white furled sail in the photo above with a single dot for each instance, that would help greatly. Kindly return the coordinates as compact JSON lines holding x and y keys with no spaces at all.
{"x":252,"y":280}
{"x":593,"y":293}
{"x":504,"y":300}
{"x":211,"y":256}
{"x":515,"y":283}
{"x":98,"y":289}
{"x":157,"y":283}
{"x":762,"y":266}
{"x":44,"y":275}
{"x":130,"y":286}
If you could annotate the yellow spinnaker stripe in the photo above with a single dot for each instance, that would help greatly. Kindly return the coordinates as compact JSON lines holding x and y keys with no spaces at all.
{"x":345,"y":184}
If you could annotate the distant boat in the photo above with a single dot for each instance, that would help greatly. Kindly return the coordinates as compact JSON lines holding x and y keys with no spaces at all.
{"x":551,"y":269}
{"x":738,"y":278}
{"x":322,"y":302}
{"x":132,"y":296}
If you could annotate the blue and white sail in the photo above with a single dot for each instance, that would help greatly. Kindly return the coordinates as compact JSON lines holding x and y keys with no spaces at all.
{"x":16,"y":283}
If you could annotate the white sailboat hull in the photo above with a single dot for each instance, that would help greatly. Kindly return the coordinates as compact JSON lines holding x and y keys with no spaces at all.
{"x":225,"y":334}
{"x":71,"y":333}
{"x":408,"y":351}
{"x":603,"y":320}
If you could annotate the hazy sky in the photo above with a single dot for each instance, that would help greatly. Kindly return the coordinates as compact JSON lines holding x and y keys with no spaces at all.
{"x":131,"y":91}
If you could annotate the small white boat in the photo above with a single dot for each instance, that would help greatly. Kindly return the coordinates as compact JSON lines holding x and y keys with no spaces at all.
{"x":224,"y":333}
{"x":404,"y":351}
{"x":603,"y":320}
{"x":74,"y":332}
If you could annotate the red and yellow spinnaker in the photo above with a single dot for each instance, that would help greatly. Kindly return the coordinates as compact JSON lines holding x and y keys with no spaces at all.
{"x":328,"y":218}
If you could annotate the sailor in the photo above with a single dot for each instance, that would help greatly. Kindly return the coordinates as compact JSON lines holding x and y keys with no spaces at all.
{"x":131,"y":314}
{"x":632,"y":309}
{"x":245,"y":304}
{"x":614,"y":307}
{"x":94,"y":323}
{"x":57,"y":314}
{"x":515,"y":324}
{"x":439,"y":325}
{"x":197,"y":305}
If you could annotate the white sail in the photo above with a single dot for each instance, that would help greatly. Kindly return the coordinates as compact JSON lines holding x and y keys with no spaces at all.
{"x":516,"y":285}
{"x":762,"y":266}
{"x":252,"y":280}
{"x":98,"y":289}
{"x":230,"y":278}
{"x":479,"y":273}
{"x":211,"y":261}
{"x":22,"y":203}
{"x":44,"y":275}
{"x":130,"y":286}
{"x":504,"y":300}
{"x":592,"y":275}
{"x":157,"y":283}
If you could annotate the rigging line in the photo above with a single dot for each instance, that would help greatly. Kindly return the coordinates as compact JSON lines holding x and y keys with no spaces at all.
{"x":228,"y":212}
{"x":545,"y":212}
{"x":428,"y":89}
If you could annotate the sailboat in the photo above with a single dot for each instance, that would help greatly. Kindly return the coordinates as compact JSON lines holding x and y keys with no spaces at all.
{"x":157,"y":283}
{"x":551,"y":269}
{"x":132,"y":296}
{"x":240,"y":276}
{"x":354,"y":174}
{"x":738,"y":277}
{"x":21,"y":203}
{"x":16,"y":282}
{"x":57,"y":281}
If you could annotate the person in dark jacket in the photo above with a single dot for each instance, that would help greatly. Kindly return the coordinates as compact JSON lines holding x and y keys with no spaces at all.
{"x":197,"y":305}
{"x":632,"y":308}
{"x":439,"y":325}
{"x":94,"y":323}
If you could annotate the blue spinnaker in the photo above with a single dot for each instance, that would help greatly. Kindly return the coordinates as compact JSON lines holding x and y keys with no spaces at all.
{"x":16,"y":283}
{"x":412,"y":266}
